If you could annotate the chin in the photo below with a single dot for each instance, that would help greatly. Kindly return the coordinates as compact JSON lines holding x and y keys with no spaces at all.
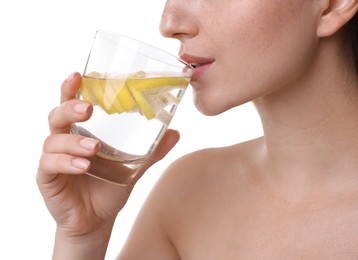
{"x":212,"y":103}
{"x":207,"y":108}
{"x":215,"y":106}
{"x":206,"y":112}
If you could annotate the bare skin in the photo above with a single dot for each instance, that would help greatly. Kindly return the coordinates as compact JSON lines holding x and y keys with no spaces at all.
{"x":291,"y":194}
{"x":220,"y":204}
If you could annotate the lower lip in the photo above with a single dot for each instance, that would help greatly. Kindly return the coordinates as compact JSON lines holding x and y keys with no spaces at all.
{"x":198,"y":71}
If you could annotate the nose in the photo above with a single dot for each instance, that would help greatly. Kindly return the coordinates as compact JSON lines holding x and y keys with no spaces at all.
{"x":176,"y":21}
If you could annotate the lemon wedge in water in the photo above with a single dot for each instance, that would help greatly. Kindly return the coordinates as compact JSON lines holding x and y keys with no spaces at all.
{"x":92,"y":90}
{"x":145,"y":89}
{"x":149,"y":95}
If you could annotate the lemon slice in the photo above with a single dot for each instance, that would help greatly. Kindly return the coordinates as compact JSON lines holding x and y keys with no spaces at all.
{"x":112,"y":95}
{"x":86,"y":92}
{"x":148,"y":95}
{"x":124,"y":96}
{"x":142,"y":88}
{"x":164,"y":83}
{"x":92,"y":91}
{"x":110,"y":100}
{"x":89,"y":88}
{"x":98,"y":88}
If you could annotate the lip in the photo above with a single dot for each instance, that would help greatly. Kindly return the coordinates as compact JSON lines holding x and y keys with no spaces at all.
{"x":202,"y":64}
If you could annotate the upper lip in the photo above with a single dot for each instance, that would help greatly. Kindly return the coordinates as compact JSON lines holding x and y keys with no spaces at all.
{"x":195,"y":61}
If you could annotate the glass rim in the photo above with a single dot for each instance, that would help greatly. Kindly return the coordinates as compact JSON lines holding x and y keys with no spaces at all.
{"x":118,"y":34}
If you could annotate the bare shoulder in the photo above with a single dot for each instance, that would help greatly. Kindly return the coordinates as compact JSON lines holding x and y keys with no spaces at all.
{"x":218,"y":197}
{"x":197,"y":189}
{"x":190,"y":186}
{"x":212,"y":164}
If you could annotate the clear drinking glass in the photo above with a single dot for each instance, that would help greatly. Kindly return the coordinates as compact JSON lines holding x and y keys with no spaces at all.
{"x":135,"y":89}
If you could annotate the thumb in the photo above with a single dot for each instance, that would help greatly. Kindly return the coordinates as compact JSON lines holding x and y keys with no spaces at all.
{"x":169,"y":140}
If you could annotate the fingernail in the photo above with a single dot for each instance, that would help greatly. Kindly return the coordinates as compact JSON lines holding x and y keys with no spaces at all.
{"x":80,"y":163}
{"x":81,"y":107}
{"x":69,"y":78}
{"x":88,"y":143}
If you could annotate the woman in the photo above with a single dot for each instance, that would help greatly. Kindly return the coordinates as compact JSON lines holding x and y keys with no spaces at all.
{"x":292,"y":193}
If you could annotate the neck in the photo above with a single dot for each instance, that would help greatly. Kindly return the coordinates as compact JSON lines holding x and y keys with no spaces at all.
{"x":311,"y":126}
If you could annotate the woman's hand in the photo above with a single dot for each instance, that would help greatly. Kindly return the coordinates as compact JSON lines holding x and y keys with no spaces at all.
{"x":83,"y":207}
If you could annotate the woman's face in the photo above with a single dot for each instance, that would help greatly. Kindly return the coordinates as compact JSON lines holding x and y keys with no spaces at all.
{"x":244,"y":49}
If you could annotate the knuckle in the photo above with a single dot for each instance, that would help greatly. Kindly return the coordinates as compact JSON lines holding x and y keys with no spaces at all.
{"x":52,"y":115}
{"x":42,"y":166}
{"x":44,"y":158}
{"x":47,"y":143}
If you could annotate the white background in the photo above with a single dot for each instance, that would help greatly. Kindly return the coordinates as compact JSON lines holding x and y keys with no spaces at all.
{"x":41,"y":43}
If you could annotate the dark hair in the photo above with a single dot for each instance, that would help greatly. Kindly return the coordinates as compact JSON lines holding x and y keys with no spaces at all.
{"x":352,"y":35}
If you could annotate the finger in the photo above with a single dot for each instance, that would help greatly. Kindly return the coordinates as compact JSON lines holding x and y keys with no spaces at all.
{"x":62,"y":117}
{"x":70,"y":86}
{"x":169,"y":140}
{"x":75,"y":145}
{"x":51,"y":165}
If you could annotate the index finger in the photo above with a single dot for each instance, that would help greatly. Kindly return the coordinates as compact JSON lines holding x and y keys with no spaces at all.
{"x":70,"y":87}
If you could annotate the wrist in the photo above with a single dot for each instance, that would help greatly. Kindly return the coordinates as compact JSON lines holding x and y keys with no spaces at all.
{"x":88,"y":246}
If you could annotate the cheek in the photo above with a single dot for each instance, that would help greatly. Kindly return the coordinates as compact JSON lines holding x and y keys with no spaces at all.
{"x":272,"y":52}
